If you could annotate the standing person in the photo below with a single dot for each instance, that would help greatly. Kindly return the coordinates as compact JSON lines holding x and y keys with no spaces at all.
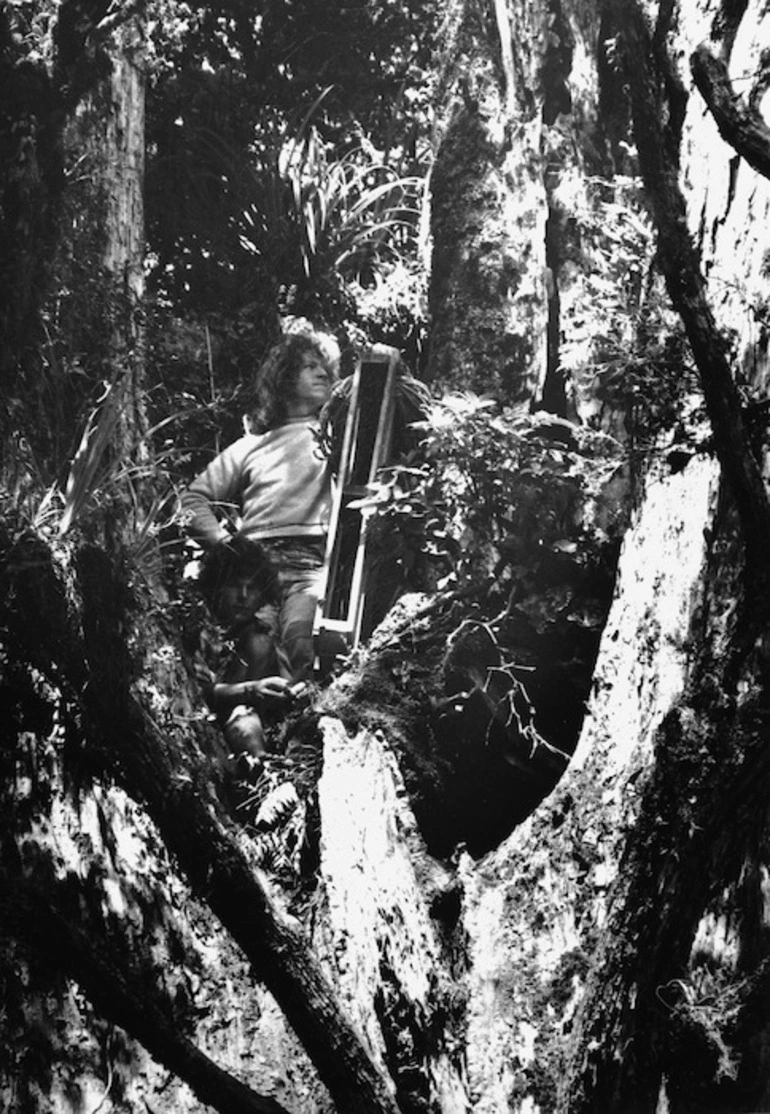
{"x":272,"y":486}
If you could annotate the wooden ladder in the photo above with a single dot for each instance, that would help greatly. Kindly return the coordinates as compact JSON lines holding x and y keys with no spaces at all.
{"x":341,"y":612}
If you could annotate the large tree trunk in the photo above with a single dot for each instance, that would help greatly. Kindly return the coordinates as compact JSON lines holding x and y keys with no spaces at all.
{"x":537,"y":906}
{"x":86,"y":616}
{"x":676,"y":999}
{"x":467,"y":930}
{"x":489,"y":293}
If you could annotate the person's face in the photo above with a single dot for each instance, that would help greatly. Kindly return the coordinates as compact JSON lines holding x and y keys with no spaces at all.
{"x":312,"y":387}
{"x":238,"y":600}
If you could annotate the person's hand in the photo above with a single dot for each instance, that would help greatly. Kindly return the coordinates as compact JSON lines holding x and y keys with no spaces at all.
{"x":266,"y":688}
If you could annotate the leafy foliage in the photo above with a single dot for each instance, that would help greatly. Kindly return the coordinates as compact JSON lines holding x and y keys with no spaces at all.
{"x":494,"y":488}
{"x":254,"y":203}
{"x":342,"y":217}
{"x":276,"y":186}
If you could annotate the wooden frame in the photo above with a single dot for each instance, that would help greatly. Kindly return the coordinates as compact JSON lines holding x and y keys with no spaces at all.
{"x":365,"y":449}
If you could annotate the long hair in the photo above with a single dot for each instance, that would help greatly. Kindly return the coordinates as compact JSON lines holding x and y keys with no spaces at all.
{"x":278,"y":375}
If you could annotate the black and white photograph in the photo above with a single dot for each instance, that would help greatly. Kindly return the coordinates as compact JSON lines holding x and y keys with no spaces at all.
{"x":385,"y":557}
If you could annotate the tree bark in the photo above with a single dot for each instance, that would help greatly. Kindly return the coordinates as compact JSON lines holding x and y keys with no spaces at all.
{"x":43,"y":79}
{"x":701,"y":809}
{"x":125,"y":1000}
{"x":163,"y":768}
{"x":123,"y":186}
{"x":701,"y":805}
{"x":740,"y":125}
{"x":488,"y":297}
{"x":657,"y":143}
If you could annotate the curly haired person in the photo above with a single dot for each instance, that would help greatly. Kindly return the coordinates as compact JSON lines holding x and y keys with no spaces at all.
{"x":272,"y":487}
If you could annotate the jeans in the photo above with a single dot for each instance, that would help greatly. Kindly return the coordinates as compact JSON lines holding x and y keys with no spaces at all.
{"x":281,"y":640}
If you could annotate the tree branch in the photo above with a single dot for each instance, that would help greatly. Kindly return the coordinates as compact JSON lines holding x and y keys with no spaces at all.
{"x":739,"y":124}
{"x":164,"y":768}
{"x":117,"y":992}
{"x":276,"y":946}
{"x":680,"y":263}
{"x":116,"y":17}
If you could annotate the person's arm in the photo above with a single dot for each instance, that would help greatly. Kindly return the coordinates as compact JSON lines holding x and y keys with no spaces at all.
{"x":209,"y":495}
{"x":224,"y":697}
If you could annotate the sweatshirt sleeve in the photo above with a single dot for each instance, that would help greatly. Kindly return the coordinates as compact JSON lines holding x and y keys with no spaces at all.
{"x":212,"y":494}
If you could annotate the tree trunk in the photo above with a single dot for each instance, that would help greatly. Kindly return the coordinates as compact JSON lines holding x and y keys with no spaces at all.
{"x":665,"y":1019}
{"x":123,"y":185}
{"x":95,"y":667}
{"x":537,"y":907}
{"x":460,"y":941}
{"x":488,"y":296}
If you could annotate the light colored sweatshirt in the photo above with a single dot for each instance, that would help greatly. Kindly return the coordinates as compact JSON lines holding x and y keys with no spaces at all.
{"x":277,"y":482}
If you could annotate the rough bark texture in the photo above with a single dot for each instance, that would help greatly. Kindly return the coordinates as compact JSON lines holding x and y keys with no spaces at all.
{"x":740,"y":124}
{"x":156,"y":962}
{"x":645,"y":1036}
{"x":43,"y":91}
{"x":488,"y":297}
{"x":657,"y":138}
{"x":122,"y":181}
{"x":536,"y":907}
{"x":121,"y":995}
{"x":611,"y":953}
{"x":148,"y":747}
{"x":389,"y":921}
{"x":726,"y":199}
{"x":37,"y":100}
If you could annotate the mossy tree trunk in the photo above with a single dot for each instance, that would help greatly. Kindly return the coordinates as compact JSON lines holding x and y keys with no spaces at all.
{"x":489,"y":290}
{"x":83,"y":621}
{"x":670,"y":1014}
{"x":605,"y":908}
{"x":669,"y":960}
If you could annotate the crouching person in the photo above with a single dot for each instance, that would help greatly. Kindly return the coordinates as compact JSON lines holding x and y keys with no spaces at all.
{"x":242,"y":672}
